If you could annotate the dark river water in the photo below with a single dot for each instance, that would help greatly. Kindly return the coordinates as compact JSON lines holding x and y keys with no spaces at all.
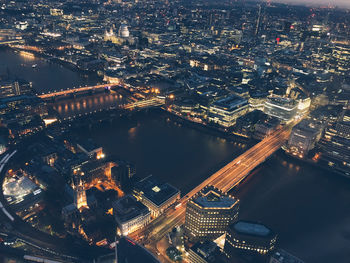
{"x":45,"y":76}
{"x":307,"y":207}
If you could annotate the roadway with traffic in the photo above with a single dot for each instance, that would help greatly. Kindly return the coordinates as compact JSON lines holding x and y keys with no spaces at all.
{"x":225,"y":179}
{"x":74,"y":90}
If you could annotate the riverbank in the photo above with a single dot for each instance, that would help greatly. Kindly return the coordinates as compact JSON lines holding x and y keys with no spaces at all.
{"x":51,"y":59}
{"x":208,"y":129}
{"x":318,"y":164}
{"x":45,"y":76}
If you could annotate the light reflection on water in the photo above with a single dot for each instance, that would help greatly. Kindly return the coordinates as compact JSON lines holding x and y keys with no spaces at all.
{"x":45,"y":76}
{"x":87,"y":104}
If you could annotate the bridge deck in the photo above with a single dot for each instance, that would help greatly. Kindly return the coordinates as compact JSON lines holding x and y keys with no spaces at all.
{"x":225,"y":179}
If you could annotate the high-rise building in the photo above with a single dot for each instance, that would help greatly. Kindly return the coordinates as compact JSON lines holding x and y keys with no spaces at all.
{"x":249,"y":236}
{"x":335,"y":145}
{"x":208,"y":214}
{"x":343,"y":125}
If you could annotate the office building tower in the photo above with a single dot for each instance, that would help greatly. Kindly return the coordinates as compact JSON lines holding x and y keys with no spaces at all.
{"x":130,"y":215}
{"x":225,"y":111}
{"x":335,"y":145}
{"x":155,"y":195}
{"x":208,"y":214}
{"x":304,"y":136}
{"x":249,"y":236}
{"x":283,"y":108}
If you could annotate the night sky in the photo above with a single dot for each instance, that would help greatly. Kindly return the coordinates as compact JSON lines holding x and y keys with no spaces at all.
{"x":345,"y":3}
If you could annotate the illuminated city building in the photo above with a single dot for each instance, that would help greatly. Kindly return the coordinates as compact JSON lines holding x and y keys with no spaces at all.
{"x":110,"y":36}
{"x":341,"y":55}
{"x":49,"y":158}
{"x":22,"y":25}
{"x":22,"y":115}
{"x":335,"y":144}
{"x":8,"y":89}
{"x":3,"y":147}
{"x":266,"y":127}
{"x":225,"y":111}
{"x":283,"y":108}
{"x":80,"y":199}
{"x":205,"y":252}
{"x":90,"y":149}
{"x":304,"y":137}
{"x":249,"y":236}
{"x":343,"y":126}
{"x":56,"y":12}
{"x":185,"y":106}
{"x":113,"y":76}
{"x":14,"y":88}
{"x":94,"y":169}
{"x":155,"y":195}
{"x":209,"y":212}
{"x":257,"y":101}
{"x":123,"y":31}
{"x":20,"y":191}
{"x":130,"y":215}
{"x":303,"y":106}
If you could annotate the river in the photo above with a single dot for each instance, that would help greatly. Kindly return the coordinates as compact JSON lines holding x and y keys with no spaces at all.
{"x":307,"y":207}
{"x":45,"y":76}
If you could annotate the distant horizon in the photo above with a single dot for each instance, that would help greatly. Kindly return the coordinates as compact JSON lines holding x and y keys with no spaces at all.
{"x":339,"y":3}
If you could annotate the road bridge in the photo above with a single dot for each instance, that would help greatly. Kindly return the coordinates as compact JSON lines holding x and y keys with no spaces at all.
{"x":225,"y":179}
{"x":75,"y":91}
{"x":153,"y":102}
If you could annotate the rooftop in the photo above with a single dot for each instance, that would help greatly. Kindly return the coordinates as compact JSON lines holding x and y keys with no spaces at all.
{"x":213,"y":198}
{"x":251,"y":228}
{"x":282,"y":256}
{"x":230,"y":103}
{"x":207,"y":250}
{"x":127,"y":208}
{"x":129,"y":251}
{"x":282,"y":101}
{"x":156,"y":191}
{"x":308,"y":126}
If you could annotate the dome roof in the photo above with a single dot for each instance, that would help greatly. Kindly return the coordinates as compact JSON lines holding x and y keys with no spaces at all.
{"x":124,"y":31}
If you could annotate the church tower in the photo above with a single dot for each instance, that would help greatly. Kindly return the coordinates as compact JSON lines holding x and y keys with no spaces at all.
{"x":80,"y":200}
